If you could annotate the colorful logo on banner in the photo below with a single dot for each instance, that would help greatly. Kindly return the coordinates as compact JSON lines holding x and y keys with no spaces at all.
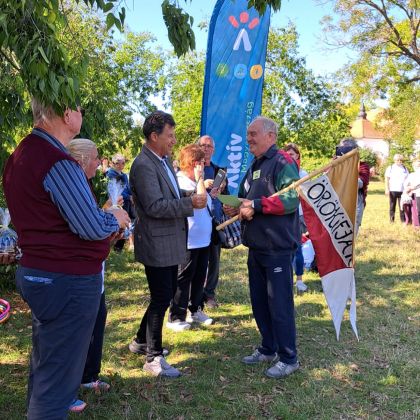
{"x":233,"y":83}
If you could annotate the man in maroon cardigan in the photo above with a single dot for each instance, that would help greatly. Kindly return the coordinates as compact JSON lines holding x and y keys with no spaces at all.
{"x":64,"y":238}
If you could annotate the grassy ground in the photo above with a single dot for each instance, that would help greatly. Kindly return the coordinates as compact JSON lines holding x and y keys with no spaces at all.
{"x":374,"y":378}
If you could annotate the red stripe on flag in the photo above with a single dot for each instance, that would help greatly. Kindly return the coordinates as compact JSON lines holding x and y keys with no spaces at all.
{"x":327,"y":258}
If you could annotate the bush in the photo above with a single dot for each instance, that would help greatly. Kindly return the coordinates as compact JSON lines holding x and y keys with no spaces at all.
{"x":368,"y":156}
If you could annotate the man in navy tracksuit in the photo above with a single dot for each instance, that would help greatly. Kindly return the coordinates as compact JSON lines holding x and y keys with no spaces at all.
{"x":270,"y":229}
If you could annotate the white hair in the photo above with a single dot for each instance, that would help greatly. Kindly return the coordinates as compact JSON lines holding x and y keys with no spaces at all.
{"x":268,"y":125}
{"x":80,"y":149}
{"x":42,"y":113}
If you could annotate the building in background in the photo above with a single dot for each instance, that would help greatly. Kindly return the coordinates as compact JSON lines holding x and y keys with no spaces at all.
{"x":367,"y":135}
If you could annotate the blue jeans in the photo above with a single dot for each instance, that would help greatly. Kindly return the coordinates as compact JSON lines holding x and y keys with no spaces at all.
{"x":64,"y":309}
{"x":271,"y":289}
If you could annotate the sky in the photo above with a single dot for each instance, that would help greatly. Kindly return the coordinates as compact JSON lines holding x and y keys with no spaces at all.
{"x":146,"y":16}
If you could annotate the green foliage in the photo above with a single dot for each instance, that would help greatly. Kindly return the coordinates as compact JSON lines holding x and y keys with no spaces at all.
{"x":306,"y":107}
{"x":385,"y":36}
{"x":179,"y":24}
{"x":120,"y":77}
{"x":403,"y":117}
{"x":30,"y":43}
{"x":368,"y":156}
{"x":100,"y":188}
{"x":186,"y":78}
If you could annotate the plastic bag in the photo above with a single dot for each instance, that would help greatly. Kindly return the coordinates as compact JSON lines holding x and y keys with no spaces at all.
{"x":8,"y":237}
{"x":115,"y":189}
{"x":308,"y":254}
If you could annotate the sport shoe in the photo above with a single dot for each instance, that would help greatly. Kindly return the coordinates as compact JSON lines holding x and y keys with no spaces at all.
{"x":178,"y":325}
{"x":281,"y":370}
{"x":200,"y":317}
{"x":258,"y":357}
{"x":77,"y":406}
{"x":160,"y":367}
{"x":96,"y":385}
{"x":301,"y":286}
{"x":212,"y":303}
{"x":137,"y":348}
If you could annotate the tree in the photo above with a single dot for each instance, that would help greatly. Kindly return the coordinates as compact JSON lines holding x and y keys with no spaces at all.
{"x":31,"y":42}
{"x":186,"y":79}
{"x":385,"y":34}
{"x":307,"y":107}
{"x":386,"y":30}
{"x":119,"y":78}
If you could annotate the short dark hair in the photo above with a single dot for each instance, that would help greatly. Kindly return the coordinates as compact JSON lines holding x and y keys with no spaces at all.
{"x":155,"y":123}
{"x":292,"y":146}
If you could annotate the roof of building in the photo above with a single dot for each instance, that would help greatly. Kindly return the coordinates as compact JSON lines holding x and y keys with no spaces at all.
{"x":363,"y":126}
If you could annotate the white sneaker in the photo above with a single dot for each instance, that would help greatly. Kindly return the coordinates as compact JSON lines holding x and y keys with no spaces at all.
{"x":301,"y":286}
{"x":200,"y":317}
{"x":160,"y":367}
{"x":281,"y":370}
{"x":178,"y":325}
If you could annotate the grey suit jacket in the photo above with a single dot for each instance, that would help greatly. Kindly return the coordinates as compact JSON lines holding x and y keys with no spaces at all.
{"x":160,"y":232}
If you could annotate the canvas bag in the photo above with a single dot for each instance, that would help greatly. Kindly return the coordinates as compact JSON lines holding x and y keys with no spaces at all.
{"x":230,"y":236}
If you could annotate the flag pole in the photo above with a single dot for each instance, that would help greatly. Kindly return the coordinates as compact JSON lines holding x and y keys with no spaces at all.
{"x":335,"y":162}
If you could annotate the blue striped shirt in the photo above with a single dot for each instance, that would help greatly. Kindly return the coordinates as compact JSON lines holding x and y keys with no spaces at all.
{"x":70,"y":192}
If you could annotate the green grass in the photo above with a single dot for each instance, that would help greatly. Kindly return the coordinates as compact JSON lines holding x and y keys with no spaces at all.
{"x":374,"y":378}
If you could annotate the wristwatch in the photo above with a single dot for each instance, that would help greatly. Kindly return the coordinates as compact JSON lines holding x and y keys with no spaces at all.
{"x":252,"y":204}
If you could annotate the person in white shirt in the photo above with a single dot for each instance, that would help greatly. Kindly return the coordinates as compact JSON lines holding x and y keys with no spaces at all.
{"x":395,"y":176}
{"x":189,"y":294}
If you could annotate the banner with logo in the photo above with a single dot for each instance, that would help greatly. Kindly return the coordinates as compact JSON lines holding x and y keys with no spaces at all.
{"x":232,"y":95}
{"x":329,"y":208}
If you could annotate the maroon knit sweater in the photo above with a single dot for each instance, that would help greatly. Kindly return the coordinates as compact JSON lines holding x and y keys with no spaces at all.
{"x":44,"y":236}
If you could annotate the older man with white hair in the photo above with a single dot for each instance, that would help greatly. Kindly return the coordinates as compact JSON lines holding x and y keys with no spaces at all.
{"x":270,"y":229}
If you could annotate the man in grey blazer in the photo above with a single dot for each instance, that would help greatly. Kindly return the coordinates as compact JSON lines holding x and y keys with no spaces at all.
{"x":160,"y":234}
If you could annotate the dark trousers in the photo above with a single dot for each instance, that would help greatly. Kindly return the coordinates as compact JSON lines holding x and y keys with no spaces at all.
{"x":162,"y":285}
{"x":64,"y":309}
{"x":394,"y":197}
{"x":94,"y":356}
{"x":212,"y":279}
{"x":191,"y":277}
{"x":271,"y":289}
{"x":298,"y":261}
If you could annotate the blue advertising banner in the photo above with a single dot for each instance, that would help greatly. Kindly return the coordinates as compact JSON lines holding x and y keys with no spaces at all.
{"x":232,"y":95}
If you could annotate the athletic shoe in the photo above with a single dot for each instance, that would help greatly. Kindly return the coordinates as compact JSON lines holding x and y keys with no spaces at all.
{"x":178,"y":325}
{"x":140,"y":349}
{"x":212,"y":303}
{"x":258,"y":357}
{"x":301,"y":286}
{"x":96,"y":385}
{"x":200,"y":317}
{"x":160,"y":367}
{"x":77,"y":406}
{"x":281,"y":370}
